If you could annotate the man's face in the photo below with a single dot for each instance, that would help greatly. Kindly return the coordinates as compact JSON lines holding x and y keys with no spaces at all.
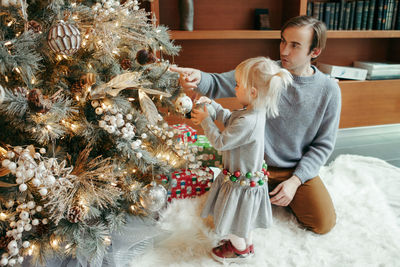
{"x":295,"y":48}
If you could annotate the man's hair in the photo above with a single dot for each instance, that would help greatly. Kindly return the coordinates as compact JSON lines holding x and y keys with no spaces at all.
{"x":319,"y":29}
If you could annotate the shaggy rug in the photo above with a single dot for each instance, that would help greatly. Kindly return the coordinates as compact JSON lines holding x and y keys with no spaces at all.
{"x":365,"y":193}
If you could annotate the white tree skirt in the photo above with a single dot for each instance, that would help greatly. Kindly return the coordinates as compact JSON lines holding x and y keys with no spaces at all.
{"x":365,"y":192}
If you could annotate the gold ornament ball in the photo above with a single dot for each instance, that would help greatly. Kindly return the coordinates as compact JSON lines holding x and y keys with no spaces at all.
{"x":64,"y":38}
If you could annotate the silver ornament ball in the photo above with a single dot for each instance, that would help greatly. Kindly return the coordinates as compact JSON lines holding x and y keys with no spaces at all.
{"x":153,"y":197}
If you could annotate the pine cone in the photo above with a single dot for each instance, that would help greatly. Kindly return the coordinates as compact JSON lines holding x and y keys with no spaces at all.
{"x":75,"y":214}
{"x":145,"y":57}
{"x":37,"y":102}
{"x":126,"y":63}
{"x":34,"y":26}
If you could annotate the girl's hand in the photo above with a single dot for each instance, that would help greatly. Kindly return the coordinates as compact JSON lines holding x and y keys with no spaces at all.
{"x":199,"y":114}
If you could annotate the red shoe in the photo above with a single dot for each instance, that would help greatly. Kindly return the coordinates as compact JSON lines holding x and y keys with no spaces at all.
{"x":228,"y":253}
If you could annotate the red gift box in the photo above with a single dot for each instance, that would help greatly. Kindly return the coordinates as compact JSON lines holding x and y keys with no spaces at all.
{"x":186,"y":133}
{"x":188,"y":183}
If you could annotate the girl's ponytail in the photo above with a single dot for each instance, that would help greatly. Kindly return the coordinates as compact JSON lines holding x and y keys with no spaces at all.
{"x":278,"y":82}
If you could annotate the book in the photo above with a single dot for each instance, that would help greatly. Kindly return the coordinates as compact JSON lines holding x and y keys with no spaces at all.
{"x":342,"y":24}
{"x":384,"y":14}
{"x":376,"y":65}
{"x":352,"y":15}
{"x":384,"y":77}
{"x":358,"y":14}
{"x":332,"y":16}
{"x":379,"y":14}
{"x":347,"y":16}
{"x":342,"y":72}
{"x":316,"y":9}
{"x":327,"y":14}
{"x":389,"y":15}
{"x":396,"y":7}
{"x":365,"y":15}
{"x":337,"y":16}
{"x":398,"y":18}
{"x":371,"y":14}
{"x":309,"y":9}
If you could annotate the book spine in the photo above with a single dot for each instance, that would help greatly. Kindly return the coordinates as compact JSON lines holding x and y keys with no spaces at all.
{"x":371,"y":14}
{"x":309,"y":9}
{"x":384,"y":14}
{"x":347,"y":15}
{"x":316,"y":9}
{"x":365,"y":15}
{"x":383,"y":77}
{"x":398,"y":18}
{"x":396,"y":8}
{"x":388,"y":15}
{"x":342,"y":24}
{"x":327,"y":14}
{"x":352,"y":15}
{"x":337,"y":15}
{"x":358,"y":16}
{"x":332,"y":16}
{"x":321,"y":11}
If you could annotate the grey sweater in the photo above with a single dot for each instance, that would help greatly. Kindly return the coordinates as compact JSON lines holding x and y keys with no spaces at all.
{"x":242,"y":140}
{"x":303,"y":135}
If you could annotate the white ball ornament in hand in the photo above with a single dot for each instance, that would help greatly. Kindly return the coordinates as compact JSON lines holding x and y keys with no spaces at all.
{"x":183,"y":104}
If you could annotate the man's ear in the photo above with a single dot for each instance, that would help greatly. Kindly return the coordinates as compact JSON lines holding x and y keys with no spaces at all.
{"x":315,"y":52}
{"x":253,"y":92}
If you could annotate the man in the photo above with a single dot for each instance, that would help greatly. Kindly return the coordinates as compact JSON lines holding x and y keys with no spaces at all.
{"x":299,"y":141}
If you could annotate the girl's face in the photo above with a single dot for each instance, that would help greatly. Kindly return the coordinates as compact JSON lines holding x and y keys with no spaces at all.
{"x":242,"y":94}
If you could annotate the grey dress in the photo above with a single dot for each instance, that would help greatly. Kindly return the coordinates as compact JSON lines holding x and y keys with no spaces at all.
{"x":238,"y":208}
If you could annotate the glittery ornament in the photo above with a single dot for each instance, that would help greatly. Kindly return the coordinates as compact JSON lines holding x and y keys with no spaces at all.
{"x":64,"y":38}
{"x":183,"y":104}
{"x":153,"y":197}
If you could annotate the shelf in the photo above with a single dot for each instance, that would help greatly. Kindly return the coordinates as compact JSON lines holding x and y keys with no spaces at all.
{"x":274,"y":34}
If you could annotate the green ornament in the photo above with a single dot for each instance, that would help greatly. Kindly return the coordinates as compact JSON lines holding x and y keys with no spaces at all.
{"x":233,"y":178}
{"x":249,"y":175}
{"x":260,"y":182}
{"x":265,"y":166}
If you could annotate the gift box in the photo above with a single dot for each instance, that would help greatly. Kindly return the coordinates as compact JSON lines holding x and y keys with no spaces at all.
{"x":207,"y":154}
{"x":185,"y":133}
{"x":186,"y":183}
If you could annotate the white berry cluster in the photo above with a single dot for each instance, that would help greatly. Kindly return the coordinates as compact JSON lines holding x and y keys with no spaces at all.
{"x":7,"y":3}
{"x":164,"y":133}
{"x":20,"y":221}
{"x":27,"y":166}
{"x":107,"y":7}
{"x":117,"y":125}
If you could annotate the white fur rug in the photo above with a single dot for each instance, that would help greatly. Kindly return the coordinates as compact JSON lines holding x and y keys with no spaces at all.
{"x":367,"y":232}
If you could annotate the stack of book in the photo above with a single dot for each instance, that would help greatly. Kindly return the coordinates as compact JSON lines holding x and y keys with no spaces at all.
{"x":379,"y":70}
{"x":342,"y":72}
{"x":357,"y":14}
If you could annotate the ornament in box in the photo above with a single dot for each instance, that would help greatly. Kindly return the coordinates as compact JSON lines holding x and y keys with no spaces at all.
{"x":64,"y":38}
{"x":207,"y":154}
{"x":188,"y":183}
{"x":185,"y":132}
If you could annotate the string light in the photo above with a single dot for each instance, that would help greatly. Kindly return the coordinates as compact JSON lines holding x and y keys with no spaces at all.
{"x":54,"y":243}
{"x":10,"y":23}
{"x":8,"y":43}
{"x":31,"y":249}
{"x":17,"y":70}
{"x":48,"y":127}
{"x":6,"y":78}
{"x":131,"y":99}
{"x":3,"y":216}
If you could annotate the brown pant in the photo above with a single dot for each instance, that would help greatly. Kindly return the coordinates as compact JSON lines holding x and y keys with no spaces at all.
{"x":312,"y":204}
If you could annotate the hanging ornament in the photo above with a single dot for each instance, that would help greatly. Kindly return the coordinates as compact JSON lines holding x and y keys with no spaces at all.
{"x":64,"y":38}
{"x":34,"y":26}
{"x":144,"y":57}
{"x":183,"y":104}
{"x":153,"y":197}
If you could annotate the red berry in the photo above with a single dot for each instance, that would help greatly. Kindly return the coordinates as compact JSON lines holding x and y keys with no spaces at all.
{"x":225,"y":171}
{"x":264,"y":171}
{"x":252,"y":184}
{"x":268,"y":174}
{"x":237,"y":174}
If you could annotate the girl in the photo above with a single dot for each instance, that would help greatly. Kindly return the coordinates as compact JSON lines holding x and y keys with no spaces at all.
{"x":238,"y":198}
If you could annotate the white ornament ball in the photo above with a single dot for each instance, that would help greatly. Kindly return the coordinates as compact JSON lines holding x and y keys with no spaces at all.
{"x":98,"y":111}
{"x":12,"y":262}
{"x":20,"y":259}
{"x":23,"y":187}
{"x":12,"y":245}
{"x":12,"y":166}
{"x":144,"y":135}
{"x":183,"y":104}
{"x":4,"y":260}
{"x":10,"y":154}
{"x":5,"y":163}
{"x":39,"y":208}
{"x":42,"y":150}
{"x":43,"y":191}
{"x":26,"y":244}
{"x":18,"y":149}
{"x":24,"y":215}
{"x":19,"y":180}
{"x":50,"y":180}
{"x":35,"y":222}
{"x":29,"y":174}
{"x":28,"y":227}
{"x":129,"y":116}
{"x":102,"y":124}
{"x":139,"y":155}
{"x":45,"y":221}
{"x":36,"y":182}
{"x":119,"y":116}
{"x":153,"y":197}
{"x":20,"y":229}
{"x":31,"y":204}
{"x":95,"y":103}
{"x":120,"y":122}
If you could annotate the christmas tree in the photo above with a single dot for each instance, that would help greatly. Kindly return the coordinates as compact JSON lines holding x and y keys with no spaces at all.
{"x":83,"y":92}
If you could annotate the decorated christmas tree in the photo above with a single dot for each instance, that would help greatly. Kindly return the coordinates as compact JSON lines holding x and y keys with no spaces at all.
{"x":83,"y":91}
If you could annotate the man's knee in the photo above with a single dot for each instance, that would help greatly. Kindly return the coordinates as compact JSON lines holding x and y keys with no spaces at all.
{"x":324,"y":224}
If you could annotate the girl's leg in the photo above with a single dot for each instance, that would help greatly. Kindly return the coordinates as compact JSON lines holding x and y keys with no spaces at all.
{"x":238,"y":242}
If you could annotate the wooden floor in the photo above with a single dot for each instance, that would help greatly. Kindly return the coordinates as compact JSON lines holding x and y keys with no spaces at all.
{"x":382,"y":142}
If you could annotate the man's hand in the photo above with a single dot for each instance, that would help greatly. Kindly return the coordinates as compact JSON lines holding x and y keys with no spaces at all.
{"x":189,"y":79}
{"x":198,"y":115}
{"x":285,"y":191}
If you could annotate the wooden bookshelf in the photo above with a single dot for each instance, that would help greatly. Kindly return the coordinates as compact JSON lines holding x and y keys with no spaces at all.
{"x":223,"y":37}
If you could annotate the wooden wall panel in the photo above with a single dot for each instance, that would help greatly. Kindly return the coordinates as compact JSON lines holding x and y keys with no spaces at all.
{"x":222,"y":55}
{"x":221,"y":14}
